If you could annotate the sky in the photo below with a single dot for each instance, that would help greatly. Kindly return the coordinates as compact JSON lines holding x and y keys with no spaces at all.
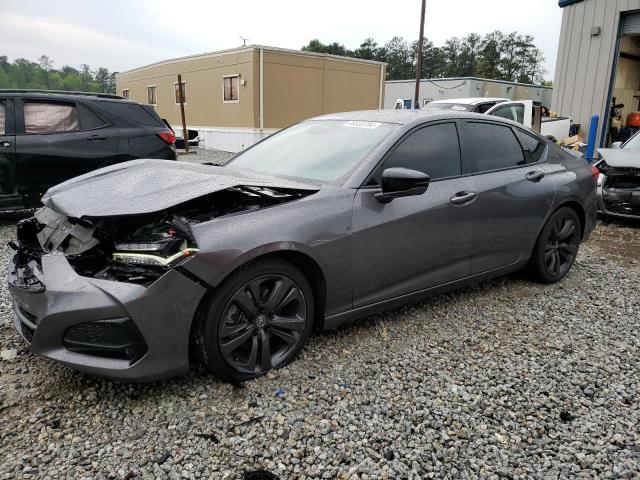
{"x":120,"y":34}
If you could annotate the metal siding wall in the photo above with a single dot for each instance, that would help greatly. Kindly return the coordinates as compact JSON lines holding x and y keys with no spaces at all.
{"x":584,"y":64}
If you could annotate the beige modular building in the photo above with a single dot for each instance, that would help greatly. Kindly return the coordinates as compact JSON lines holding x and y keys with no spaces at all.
{"x":237,"y":97}
{"x":598,"y":64}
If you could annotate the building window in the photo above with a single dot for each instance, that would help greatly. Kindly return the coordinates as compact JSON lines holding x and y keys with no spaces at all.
{"x":151,"y":95}
{"x":231,"y":86}
{"x":179,"y":91}
{"x":125,"y":93}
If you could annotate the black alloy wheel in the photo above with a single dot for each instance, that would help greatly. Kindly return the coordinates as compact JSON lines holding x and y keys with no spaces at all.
{"x":557,"y":246}
{"x":262,"y":324}
{"x":562,"y":246}
{"x":258,"y":320}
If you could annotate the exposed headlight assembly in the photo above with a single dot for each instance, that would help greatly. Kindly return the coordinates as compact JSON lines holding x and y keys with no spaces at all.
{"x":161,"y":252}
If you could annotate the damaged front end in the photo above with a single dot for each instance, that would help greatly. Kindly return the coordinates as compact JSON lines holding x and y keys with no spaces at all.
{"x":107,"y":295}
{"x":136,"y":248}
{"x":618,"y":190}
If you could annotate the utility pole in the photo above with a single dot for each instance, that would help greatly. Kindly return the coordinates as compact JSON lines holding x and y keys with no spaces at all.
{"x":419,"y":58}
{"x":185,"y":134}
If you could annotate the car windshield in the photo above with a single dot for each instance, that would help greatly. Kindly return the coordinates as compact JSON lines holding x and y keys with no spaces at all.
{"x":461,"y":107}
{"x":321,"y":150}
{"x":634,"y":142}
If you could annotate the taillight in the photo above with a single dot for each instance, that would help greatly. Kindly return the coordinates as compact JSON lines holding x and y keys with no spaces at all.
{"x":168,"y":137}
{"x":595,"y":173}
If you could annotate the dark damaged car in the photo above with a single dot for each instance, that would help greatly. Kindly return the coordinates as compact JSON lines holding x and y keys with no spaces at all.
{"x":619,"y":180}
{"x":134,"y":270}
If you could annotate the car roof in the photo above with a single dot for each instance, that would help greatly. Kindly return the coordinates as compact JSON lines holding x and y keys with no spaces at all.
{"x":403,"y":117}
{"x":472,"y":100}
{"x":60,"y":94}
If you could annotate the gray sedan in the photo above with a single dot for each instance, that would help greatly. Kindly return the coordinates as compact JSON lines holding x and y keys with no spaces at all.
{"x":132,"y":270}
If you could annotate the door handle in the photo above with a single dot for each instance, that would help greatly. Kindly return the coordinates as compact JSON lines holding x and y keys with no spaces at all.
{"x":5,"y":143}
{"x":535,"y":176}
{"x":94,"y":138}
{"x":463,"y":198}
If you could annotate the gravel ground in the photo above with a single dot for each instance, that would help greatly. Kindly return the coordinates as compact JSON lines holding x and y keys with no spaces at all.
{"x":204,"y":155}
{"x":506,"y":380}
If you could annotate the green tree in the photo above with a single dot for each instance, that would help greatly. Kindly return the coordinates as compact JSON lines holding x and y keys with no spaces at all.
{"x":488,"y":65}
{"x":367,"y":50}
{"x":23,"y":73}
{"x":334,"y":48}
{"x":102,"y":79}
{"x":398,"y":57}
{"x":469,"y":55}
{"x":46,"y":64}
{"x":86,"y":76}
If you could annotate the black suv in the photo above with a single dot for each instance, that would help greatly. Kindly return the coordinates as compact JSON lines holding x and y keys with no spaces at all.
{"x":48,"y":137}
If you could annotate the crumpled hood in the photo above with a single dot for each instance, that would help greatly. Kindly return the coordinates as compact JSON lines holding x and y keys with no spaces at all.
{"x":621,"y":157}
{"x":147,"y":186}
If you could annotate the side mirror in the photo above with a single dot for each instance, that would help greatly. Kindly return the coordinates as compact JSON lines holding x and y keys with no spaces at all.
{"x":402,"y":182}
{"x":616,"y":145}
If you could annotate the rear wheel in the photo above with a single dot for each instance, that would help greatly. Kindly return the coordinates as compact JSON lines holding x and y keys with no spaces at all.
{"x":557,"y":247}
{"x":259,"y":319}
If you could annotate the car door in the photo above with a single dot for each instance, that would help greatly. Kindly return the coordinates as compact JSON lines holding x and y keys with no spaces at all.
{"x":519,"y":111}
{"x":7,"y":147}
{"x":515,"y":191}
{"x":57,"y":140}
{"x":413,"y":243}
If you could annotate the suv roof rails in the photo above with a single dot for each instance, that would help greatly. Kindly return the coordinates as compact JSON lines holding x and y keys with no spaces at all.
{"x":60,"y":92}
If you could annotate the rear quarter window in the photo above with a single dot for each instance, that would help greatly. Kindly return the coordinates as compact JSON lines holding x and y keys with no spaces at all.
{"x":533,"y":148}
{"x":491,"y":147}
{"x":88,"y":119}
{"x":133,"y":112}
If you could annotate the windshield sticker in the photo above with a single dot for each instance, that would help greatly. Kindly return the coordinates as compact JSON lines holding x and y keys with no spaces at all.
{"x":459,"y":107}
{"x":360,"y":124}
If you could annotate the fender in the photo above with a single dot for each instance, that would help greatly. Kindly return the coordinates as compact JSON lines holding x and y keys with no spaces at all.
{"x":212,"y":268}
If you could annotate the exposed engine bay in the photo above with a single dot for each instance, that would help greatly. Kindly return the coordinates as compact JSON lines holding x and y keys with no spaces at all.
{"x":136,"y":248}
{"x":620,"y":188}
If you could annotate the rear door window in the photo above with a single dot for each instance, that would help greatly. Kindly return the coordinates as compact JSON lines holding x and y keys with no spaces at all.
{"x":513,"y":112}
{"x":482,"y":108}
{"x":132,"y":112}
{"x":533,"y":147}
{"x":50,"y":117}
{"x":491,"y":147}
{"x":434,"y":150}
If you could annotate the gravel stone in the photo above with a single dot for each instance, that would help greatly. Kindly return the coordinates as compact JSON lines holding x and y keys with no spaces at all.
{"x":505,"y":380}
{"x":204,"y":155}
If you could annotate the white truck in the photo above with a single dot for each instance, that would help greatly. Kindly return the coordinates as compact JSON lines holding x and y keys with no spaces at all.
{"x":520,"y":111}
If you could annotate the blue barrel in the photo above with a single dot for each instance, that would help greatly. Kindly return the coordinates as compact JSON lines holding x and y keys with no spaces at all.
{"x":591,"y":144}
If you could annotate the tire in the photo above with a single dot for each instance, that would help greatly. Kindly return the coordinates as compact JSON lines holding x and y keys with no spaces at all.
{"x":557,"y":246}
{"x":238,"y":338}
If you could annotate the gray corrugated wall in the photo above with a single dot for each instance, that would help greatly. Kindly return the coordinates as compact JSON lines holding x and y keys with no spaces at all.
{"x":583,"y":69}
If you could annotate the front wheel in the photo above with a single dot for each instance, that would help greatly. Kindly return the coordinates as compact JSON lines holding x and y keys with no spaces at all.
{"x":258,"y":319}
{"x":557,"y":246}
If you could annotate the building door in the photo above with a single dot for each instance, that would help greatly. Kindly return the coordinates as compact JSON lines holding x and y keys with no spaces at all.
{"x":623,"y":109}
